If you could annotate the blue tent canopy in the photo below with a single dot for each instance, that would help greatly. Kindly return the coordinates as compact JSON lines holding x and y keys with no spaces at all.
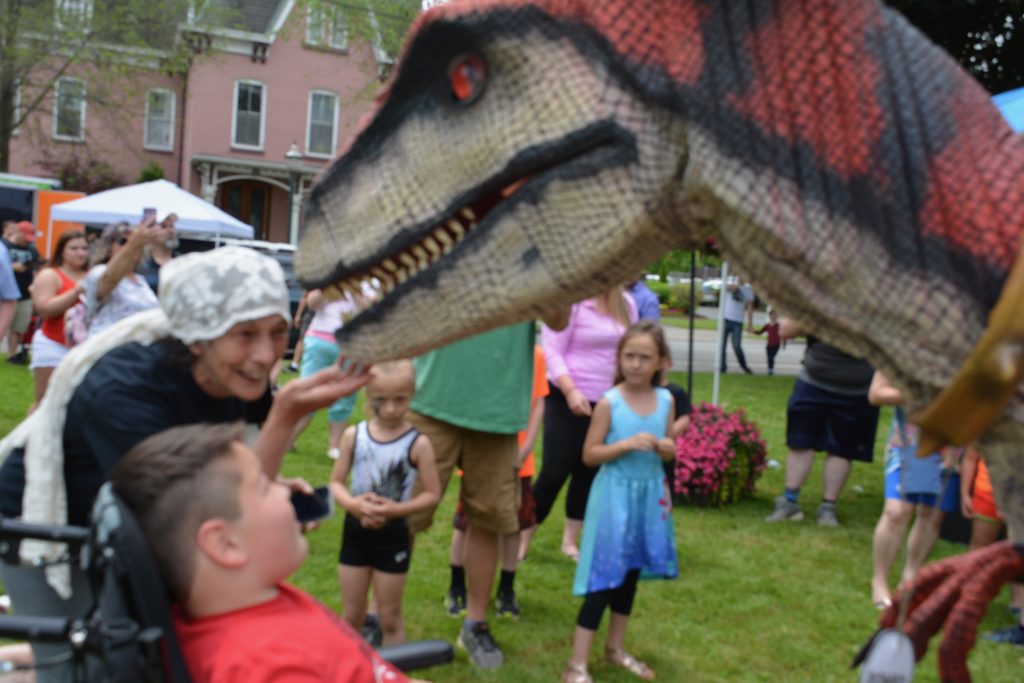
{"x":1011,"y":103}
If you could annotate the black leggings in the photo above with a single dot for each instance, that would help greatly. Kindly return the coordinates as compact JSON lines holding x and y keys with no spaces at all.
{"x":564,"y":432}
{"x":619,"y":599}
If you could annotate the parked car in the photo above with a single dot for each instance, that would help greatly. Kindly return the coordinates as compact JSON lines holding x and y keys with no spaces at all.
{"x":279,"y":251}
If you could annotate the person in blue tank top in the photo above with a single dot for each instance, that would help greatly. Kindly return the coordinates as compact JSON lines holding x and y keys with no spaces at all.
{"x":627,"y":527}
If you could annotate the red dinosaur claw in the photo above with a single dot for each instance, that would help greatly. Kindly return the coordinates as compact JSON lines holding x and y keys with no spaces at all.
{"x":956,"y":591}
{"x":1003,"y":563}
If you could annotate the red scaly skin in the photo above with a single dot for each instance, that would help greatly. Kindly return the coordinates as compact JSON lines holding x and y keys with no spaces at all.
{"x":844,"y":164}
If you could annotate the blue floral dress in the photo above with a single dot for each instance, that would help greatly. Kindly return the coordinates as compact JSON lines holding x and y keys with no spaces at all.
{"x":628,"y":522}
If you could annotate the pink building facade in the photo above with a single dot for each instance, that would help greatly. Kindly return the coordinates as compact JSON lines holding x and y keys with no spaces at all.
{"x":262,"y":109}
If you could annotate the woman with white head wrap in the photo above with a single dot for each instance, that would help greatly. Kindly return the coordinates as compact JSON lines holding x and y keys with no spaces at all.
{"x":204,"y":356}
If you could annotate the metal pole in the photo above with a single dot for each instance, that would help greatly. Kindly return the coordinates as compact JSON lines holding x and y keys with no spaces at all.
{"x":720,"y":335}
{"x":693,"y":313}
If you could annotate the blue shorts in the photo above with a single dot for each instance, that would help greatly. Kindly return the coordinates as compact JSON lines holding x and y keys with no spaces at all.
{"x":949,"y":501}
{"x":318,"y":354}
{"x":822,"y":420}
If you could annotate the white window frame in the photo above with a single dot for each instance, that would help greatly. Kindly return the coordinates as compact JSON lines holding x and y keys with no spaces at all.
{"x":234,"y":115}
{"x":83,"y":8}
{"x":56,"y":109}
{"x":322,"y":33}
{"x":173,"y":103}
{"x":309,"y":125}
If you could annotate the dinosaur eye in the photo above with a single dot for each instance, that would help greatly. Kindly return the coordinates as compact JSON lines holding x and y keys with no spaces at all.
{"x":468,"y":76}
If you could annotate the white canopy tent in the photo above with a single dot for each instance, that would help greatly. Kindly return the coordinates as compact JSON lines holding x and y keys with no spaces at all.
{"x":195,"y":215}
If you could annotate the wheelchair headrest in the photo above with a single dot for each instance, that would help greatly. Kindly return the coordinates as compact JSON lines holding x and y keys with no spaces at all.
{"x":125,"y":576}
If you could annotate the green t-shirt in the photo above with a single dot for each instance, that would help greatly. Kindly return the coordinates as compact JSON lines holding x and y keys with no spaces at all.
{"x":482,"y":383}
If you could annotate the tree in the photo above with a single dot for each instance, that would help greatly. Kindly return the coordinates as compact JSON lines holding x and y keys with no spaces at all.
{"x":985,"y":36}
{"x":43,"y":40}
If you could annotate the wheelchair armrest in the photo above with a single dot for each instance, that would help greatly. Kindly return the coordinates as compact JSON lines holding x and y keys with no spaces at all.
{"x":47,"y":629}
{"x":418,"y":654}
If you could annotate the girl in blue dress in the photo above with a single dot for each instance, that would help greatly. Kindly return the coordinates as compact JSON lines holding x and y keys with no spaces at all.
{"x":627,"y":528}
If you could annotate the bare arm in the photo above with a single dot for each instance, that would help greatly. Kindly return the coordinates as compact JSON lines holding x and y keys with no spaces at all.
{"x":882,"y":392}
{"x":123,"y":263}
{"x":968,"y":468}
{"x":45,"y":299}
{"x":532,"y":429}
{"x":789,"y":328}
{"x":297,"y":399}
{"x":666,"y":447}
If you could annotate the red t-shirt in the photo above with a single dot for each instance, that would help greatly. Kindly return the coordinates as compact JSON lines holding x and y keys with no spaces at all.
{"x":290,"y":638}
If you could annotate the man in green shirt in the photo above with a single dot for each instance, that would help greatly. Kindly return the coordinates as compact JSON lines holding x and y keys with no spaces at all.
{"x":472,"y":399}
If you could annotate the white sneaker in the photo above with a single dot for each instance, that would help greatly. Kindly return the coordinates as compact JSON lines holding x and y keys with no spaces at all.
{"x":333,"y":453}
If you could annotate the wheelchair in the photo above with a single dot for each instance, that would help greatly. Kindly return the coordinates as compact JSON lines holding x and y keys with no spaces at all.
{"x":128,"y":634}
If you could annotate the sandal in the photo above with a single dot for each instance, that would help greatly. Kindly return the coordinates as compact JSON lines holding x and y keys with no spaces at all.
{"x":629,"y":663}
{"x":574,"y":673}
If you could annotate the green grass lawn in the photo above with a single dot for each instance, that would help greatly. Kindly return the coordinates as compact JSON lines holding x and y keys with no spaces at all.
{"x":753,"y":602}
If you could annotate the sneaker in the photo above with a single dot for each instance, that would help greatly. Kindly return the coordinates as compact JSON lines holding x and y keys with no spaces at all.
{"x":20,"y":358}
{"x":291,"y":368}
{"x":785,"y":510}
{"x":371,"y":631}
{"x":481,"y":646}
{"x":505,"y":605}
{"x":455,"y":604}
{"x":1012,"y":635}
{"x":827,"y":516}
{"x":333,"y":453}
{"x":748,"y":371}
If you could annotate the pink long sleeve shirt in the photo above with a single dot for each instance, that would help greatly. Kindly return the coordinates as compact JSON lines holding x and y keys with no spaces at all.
{"x":585,"y":349}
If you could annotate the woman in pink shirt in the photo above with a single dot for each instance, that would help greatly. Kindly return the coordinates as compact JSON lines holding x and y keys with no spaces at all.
{"x":581,"y":367}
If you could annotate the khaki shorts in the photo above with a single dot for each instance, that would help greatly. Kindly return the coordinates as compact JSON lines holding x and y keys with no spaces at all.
{"x":490,"y":474}
{"x":22,"y":317}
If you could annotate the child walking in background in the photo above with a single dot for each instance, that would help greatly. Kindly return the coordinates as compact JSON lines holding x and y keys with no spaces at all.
{"x":384,"y":456}
{"x":774,"y":341}
{"x":514,"y":545}
{"x":627,"y":529}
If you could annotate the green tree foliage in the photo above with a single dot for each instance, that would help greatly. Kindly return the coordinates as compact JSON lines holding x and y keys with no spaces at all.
{"x":43,"y":40}
{"x":985,"y":36}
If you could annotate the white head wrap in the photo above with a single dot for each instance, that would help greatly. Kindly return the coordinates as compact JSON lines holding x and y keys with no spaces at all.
{"x":202,"y":295}
{"x":205,"y":294}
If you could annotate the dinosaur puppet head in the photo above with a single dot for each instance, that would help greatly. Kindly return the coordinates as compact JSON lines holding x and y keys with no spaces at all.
{"x":496,"y":180}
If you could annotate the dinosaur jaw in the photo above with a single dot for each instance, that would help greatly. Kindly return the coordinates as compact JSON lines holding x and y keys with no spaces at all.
{"x":435,"y":248}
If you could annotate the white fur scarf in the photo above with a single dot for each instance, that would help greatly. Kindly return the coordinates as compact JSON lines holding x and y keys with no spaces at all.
{"x":42,"y":434}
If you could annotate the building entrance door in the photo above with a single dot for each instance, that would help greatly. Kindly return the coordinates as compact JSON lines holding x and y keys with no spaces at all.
{"x":249,"y":202}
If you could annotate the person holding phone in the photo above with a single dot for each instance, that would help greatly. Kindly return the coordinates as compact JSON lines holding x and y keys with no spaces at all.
{"x":160,"y":251}
{"x":384,"y":456}
{"x":113,"y":290}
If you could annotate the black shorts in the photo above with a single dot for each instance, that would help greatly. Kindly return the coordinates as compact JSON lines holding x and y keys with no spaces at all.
{"x":385,"y":549}
{"x":822,"y":420}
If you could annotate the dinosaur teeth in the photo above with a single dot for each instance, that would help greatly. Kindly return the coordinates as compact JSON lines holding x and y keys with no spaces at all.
{"x":432,"y":246}
{"x":401,"y":276}
{"x":445,"y":239}
{"x":332,"y":293}
{"x":422,"y":260}
{"x":457,"y":229}
{"x":408,"y":261}
{"x":469,"y":214}
{"x":387,"y":286}
{"x":378,"y":272}
{"x":390,"y":265}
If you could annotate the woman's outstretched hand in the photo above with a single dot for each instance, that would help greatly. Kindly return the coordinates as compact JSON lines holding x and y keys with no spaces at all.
{"x":308,"y":394}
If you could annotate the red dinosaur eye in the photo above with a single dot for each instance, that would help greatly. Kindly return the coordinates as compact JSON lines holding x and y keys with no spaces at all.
{"x":468,"y":75}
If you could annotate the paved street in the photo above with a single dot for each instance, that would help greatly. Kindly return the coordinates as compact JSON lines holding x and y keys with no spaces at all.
{"x":787,"y":362}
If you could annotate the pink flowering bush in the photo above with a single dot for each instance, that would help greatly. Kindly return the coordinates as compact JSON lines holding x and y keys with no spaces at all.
{"x":718,"y":457}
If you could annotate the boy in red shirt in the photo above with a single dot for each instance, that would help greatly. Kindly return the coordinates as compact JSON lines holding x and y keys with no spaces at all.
{"x":225,"y":538}
{"x":774,"y":340}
